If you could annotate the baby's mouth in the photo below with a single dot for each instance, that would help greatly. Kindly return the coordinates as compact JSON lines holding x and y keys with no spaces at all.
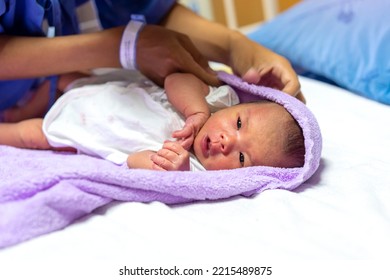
{"x":206,"y":146}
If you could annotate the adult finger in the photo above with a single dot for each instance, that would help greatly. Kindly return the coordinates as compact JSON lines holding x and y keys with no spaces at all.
{"x":292,"y":87}
{"x":276,"y":78}
{"x":264,"y":76}
{"x":189,"y":65}
{"x":194,"y":62}
{"x":252,"y":76}
{"x":301,"y":97}
{"x":288,"y":79}
{"x":196,"y":55}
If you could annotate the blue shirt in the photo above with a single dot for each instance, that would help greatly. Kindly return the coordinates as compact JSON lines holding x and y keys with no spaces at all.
{"x":25,"y":18}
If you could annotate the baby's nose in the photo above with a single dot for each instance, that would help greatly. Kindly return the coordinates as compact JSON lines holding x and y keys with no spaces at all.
{"x":226,"y":143}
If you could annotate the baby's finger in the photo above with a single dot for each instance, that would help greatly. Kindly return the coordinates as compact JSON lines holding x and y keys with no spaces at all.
{"x":166,"y":162}
{"x":182,"y":133}
{"x":187,"y":143}
{"x":167,"y":155}
{"x":174,"y":147}
{"x":157,"y":167}
{"x":159,"y":161}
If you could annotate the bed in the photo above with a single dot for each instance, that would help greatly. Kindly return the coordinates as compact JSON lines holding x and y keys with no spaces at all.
{"x":337,"y":222}
{"x":341,"y":213}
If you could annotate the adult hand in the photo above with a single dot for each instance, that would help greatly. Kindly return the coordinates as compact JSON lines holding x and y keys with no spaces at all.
{"x":259,"y":65}
{"x":274,"y":78}
{"x":160,"y":52}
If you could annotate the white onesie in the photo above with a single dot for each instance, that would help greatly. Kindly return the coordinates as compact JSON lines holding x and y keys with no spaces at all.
{"x":114,"y":119}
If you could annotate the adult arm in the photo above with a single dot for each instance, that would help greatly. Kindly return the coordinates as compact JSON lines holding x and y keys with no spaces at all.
{"x":161,"y":52}
{"x":248,"y":59}
{"x":30,"y":57}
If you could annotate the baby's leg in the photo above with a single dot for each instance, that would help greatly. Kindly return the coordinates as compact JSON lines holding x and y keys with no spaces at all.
{"x":26,"y":134}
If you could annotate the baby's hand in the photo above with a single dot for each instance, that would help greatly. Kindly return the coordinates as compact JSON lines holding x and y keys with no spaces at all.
{"x":191,"y":128}
{"x":172,"y":156}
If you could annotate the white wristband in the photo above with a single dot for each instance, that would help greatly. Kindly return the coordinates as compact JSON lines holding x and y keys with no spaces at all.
{"x":127,"y":49}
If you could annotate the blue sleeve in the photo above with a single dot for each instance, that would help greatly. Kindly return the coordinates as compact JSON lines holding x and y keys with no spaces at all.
{"x":21,"y":17}
{"x":13,"y":91}
{"x":2,"y":11}
{"x":118,"y":12}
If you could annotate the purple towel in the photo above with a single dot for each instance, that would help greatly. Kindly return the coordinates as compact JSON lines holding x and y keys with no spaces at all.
{"x":43,"y":191}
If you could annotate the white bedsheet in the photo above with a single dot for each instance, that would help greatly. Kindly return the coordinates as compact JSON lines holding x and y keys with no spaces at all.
{"x":342,"y":213}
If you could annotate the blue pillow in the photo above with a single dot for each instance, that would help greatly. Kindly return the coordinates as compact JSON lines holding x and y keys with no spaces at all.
{"x":346,"y":41}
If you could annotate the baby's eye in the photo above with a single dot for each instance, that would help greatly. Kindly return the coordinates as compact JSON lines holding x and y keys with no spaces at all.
{"x":238,"y":123}
{"x":242,"y":159}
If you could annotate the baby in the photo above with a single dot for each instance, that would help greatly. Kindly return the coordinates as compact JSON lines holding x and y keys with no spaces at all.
{"x":129,"y":123}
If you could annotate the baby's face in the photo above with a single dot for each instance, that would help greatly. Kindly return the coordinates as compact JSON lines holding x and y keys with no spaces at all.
{"x":240,"y":136}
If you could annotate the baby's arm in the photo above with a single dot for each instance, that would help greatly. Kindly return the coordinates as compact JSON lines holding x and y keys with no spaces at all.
{"x":140,"y":160}
{"x":187,"y":94}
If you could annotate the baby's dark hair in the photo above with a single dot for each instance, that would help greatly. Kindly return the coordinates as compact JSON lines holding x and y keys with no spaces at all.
{"x":294,"y":144}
